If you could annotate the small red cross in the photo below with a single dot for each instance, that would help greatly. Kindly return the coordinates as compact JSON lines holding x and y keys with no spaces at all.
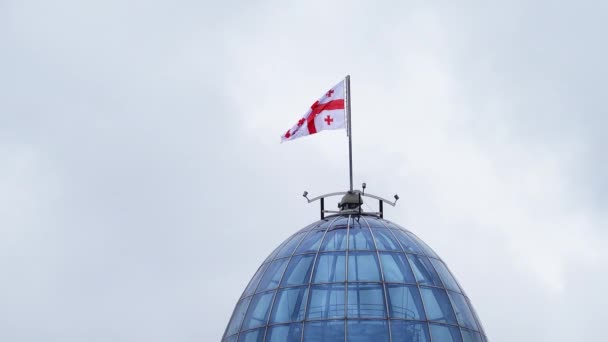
{"x":329,"y":93}
{"x":329,"y":120}
{"x":301,"y":122}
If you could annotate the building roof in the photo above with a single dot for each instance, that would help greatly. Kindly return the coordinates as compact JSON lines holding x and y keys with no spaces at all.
{"x":354,"y":278}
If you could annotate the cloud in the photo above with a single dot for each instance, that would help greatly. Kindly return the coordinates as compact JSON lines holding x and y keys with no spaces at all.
{"x":143,"y":182}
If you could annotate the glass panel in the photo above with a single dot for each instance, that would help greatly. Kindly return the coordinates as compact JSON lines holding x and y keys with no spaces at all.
{"x":367,"y":331}
{"x":276,"y":251}
{"x":375,"y":222}
{"x":273,"y":274}
{"x":256,"y":335}
{"x":437,"y":304}
{"x":359,"y":237}
{"x":254,"y":281}
{"x":404,"y":302}
{"x":470,"y":336}
{"x":341,"y":222}
{"x":257,"y":314}
{"x":366,"y":301}
{"x":445,"y":333}
{"x":335,"y":239}
{"x":448,"y":280}
{"x":316,"y":225}
{"x":409,"y":331}
{"x":311,"y":242}
{"x":284,"y":333}
{"x":396,"y":268}
{"x":324,"y":331}
{"x":231,"y":338}
{"x":326,"y":301}
{"x":289,"y":247}
{"x":289,"y":305}
{"x":311,"y":226}
{"x":324,"y":223}
{"x":427,"y":250}
{"x":408,"y":244}
{"x":363,"y":266}
{"x":479,"y":325}
{"x":298,"y":271}
{"x":395,"y":226}
{"x":237,"y":316}
{"x":330,"y":267}
{"x":424,"y":271}
{"x":385,"y":240}
{"x":463,"y":313}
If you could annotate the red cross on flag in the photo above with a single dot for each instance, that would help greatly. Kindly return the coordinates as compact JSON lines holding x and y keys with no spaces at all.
{"x":325,"y":113}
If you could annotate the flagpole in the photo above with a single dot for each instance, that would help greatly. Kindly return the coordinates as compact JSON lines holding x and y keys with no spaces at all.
{"x":348,"y":130}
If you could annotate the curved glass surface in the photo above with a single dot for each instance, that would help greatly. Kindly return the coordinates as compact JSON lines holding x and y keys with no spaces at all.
{"x":354,"y":278}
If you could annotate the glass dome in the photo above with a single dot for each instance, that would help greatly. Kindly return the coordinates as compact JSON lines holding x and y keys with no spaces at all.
{"x":353,"y":278}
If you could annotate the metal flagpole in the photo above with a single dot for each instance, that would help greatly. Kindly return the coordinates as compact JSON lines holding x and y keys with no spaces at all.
{"x":348,"y":130}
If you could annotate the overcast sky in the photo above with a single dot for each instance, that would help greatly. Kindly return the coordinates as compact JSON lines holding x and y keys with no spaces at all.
{"x":142,"y":181}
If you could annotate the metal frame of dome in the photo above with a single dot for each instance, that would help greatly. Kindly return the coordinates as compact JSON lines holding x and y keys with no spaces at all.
{"x":444,"y":314}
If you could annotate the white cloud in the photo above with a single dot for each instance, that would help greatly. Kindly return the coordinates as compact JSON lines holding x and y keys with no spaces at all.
{"x":141,"y":164}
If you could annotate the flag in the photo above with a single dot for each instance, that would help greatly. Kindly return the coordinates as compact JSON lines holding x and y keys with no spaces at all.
{"x":326,"y":113}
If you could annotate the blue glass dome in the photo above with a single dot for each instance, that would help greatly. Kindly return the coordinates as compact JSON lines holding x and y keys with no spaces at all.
{"x":353,"y":278}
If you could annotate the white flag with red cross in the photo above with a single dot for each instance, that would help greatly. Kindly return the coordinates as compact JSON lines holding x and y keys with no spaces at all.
{"x":326,"y":113}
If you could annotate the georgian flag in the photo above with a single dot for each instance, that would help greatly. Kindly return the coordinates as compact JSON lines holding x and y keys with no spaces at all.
{"x":327,"y":113}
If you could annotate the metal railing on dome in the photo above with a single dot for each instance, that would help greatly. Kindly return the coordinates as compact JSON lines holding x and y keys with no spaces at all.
{"x":353,"y":207}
